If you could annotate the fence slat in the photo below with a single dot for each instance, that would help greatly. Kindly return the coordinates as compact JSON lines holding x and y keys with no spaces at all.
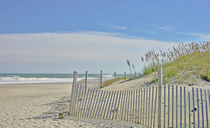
{"x":180,"y":107}
{"x":71,"y":100}
{"x":80,"y":99}
{"x":112,"y":104}
{"x":100,"y":103}
{"x":133,"y":106}
{"x":103,"y":111}
{"x":152,"y":106}
{"x":73,"y":93}
{"x":141,"y":107}
{"x":106,"y":104}
{"x":130,"y":103}
{"x":176,"y":107}
{"x":98,"y":100}
{"x":193,"y":100}
{"x":185,"y":108}
{"x":172,"y":116}
{"x":122,"y":106}
{"x":202,"y":115}
{"x":189,"y":109}
{"x":209,"y":99}
{"x":207,"y":123}
{"x":76,"y":98}
{"x":148,"y":109}
{"x":155,"y":107}
{"x":198,"y":117}
{"x":126,"y":106}
{"x":164,"y":106}
{"x":83,"y":100}
{"x":120,"y":98}
{"x":101,"y":108}
{"x":86,"y":101}
{"x":168,"y":106}
{"x":90,"y":103}
{"x":109,"y":104}
{"x":114,"y":109}
{"x":136,"y":106}
{"x":138,"y":112}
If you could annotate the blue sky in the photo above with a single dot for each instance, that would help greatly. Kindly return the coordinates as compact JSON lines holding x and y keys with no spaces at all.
{"x":93,"y":22}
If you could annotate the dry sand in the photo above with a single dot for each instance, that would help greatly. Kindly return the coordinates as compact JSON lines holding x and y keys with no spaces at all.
{"x":148,"y":81}
{"x":38,"y":105}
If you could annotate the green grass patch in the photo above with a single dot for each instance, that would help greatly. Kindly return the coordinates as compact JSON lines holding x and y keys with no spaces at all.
{"x":108,"y":82}
{"x":149,"y":70}
{"x":196,"y":63}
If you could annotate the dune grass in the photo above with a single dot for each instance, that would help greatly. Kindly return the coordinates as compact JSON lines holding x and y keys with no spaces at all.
{"x":196,"y":63}
{"x":108,"y":82}
{"x":182,"y":62}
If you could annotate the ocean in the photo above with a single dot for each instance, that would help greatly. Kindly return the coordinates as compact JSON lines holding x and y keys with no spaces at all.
{"x":19,"y":78}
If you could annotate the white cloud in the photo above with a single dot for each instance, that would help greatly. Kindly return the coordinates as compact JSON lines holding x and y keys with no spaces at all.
{"x":166,"y":28}
{"x":143,"y":31}
{"x":202,"y":36}
{"x":76,"y":48}
{"x":119,"y":27}
{"x":81,"y":46}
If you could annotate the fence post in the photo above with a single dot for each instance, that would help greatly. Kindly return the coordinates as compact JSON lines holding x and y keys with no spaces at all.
{"x":160,"y":79}
{"x":75,"y":78}
{"x":72,"y":92}
{"x":101,"y":79}
{"x":115,"y":75}
{"x":125,"y":74}
{"x":86,"y":76}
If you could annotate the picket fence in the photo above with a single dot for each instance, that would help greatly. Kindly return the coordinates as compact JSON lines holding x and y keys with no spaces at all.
{"x":180,"y":106}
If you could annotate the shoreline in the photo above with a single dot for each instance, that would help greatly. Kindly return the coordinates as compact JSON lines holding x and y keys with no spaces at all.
{"x":35,"y":83}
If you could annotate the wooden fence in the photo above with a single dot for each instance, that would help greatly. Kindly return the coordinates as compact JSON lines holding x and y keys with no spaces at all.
{"x":180,"y":106}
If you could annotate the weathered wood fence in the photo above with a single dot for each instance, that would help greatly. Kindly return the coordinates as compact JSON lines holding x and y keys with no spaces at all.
{"x":179,"y":106}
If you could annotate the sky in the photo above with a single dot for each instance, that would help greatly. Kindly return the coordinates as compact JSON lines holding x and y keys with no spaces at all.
{"x":51,"y":36}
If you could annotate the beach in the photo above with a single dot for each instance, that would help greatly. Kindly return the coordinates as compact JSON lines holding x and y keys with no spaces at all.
{"x":38,"y":105}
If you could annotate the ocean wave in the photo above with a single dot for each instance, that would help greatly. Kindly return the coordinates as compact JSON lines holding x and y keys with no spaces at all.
{"x":17,"y":79}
